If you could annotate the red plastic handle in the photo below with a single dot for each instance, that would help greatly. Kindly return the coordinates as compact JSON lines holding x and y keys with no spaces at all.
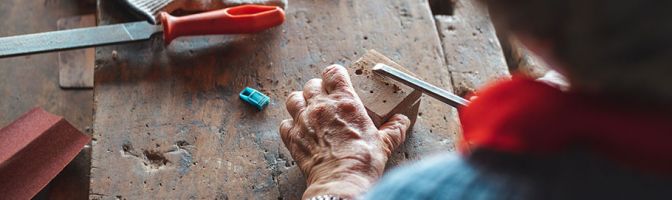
{"x":235,"y":20}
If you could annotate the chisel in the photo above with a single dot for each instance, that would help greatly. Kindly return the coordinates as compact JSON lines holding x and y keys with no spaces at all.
{"x":415,"y":83}
{"x":235,"y":20}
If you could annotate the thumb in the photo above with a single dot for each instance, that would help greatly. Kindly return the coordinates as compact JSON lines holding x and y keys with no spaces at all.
{"x":393,"y":132}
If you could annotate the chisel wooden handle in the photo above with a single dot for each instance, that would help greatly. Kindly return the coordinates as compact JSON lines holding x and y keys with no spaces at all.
{"x":235,"y":20}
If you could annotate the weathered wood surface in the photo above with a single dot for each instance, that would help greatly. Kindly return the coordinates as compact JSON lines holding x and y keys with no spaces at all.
{"x":169,"y":124}
{"x":30,"y":81}
{"x":76,"y":66}
{"x":383,"y":97}
{"x":473,"y":53}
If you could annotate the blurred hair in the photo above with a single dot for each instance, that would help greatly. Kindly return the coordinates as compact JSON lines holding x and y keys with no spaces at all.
{"x":616,"y":47}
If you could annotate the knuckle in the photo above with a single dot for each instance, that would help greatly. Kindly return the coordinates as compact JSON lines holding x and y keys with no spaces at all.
{"x":294,"y":95}
{"x":398,"y":126}
{"x":294,"y":98}
{"x":401,"y":120}
{"x":312,"y":88}
{"x":405,"y":121}
{"x":335,"y":74}
{"x":331,"y":69}
{"x":313,"y":81}
{"x":338,"y":81}
{"x":293,"y":104}
{"x":320,"y":109}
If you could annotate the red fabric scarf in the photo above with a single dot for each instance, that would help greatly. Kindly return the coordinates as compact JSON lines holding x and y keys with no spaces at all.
{"x":523,"y":116}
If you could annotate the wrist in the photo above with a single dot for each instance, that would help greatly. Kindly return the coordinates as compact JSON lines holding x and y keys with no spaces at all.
{"x":346,"y":178}
{"x":344,"y":186}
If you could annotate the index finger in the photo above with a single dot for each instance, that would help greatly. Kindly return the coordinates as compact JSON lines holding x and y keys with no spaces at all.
{"x":335,"y":78}
{"x":295,"y":103}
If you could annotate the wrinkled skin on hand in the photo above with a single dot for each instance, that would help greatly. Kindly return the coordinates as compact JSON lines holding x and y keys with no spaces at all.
{"x":333,"y":140}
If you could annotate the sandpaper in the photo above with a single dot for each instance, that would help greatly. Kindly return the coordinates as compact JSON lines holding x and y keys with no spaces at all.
{"x":33,"y":150}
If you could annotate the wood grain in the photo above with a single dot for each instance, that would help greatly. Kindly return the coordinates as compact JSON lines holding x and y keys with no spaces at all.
{"x":76,"y":66}
{"x":473,"y":52}
{"x":169,"y":124}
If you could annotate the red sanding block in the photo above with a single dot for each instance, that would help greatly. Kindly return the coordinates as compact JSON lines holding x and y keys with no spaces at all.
{"x":33,"y":150}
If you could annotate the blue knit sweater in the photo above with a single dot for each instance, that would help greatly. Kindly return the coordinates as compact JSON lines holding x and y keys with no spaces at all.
{"x":491,"y":175}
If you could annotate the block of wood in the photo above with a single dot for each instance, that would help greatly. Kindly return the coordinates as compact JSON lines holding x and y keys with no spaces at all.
{"x":33,"y":150}
{"x":382,"y":96}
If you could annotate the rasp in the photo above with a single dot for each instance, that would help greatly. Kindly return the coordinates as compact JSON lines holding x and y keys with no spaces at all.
{"x":415,"y":83}
{"x":234,"y":20}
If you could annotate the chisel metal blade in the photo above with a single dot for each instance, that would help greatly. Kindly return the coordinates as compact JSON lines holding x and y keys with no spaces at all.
{"x":76,"y":38}
{"x":429,"y":89}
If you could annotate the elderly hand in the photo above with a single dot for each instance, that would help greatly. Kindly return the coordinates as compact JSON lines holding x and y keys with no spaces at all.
{"x":333,"y":140}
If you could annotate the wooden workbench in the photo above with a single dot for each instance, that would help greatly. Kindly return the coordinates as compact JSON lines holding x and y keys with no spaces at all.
{"x":168,"y":123}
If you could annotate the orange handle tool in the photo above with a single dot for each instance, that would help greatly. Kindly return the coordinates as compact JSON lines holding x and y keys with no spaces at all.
{"x":234,"y":20}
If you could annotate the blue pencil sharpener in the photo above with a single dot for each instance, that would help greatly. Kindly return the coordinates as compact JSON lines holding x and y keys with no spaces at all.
{"x":254,"y":97}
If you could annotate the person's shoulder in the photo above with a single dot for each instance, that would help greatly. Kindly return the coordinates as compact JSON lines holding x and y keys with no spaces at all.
{"x":440,"y":177}
{"x":493,"y":175}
